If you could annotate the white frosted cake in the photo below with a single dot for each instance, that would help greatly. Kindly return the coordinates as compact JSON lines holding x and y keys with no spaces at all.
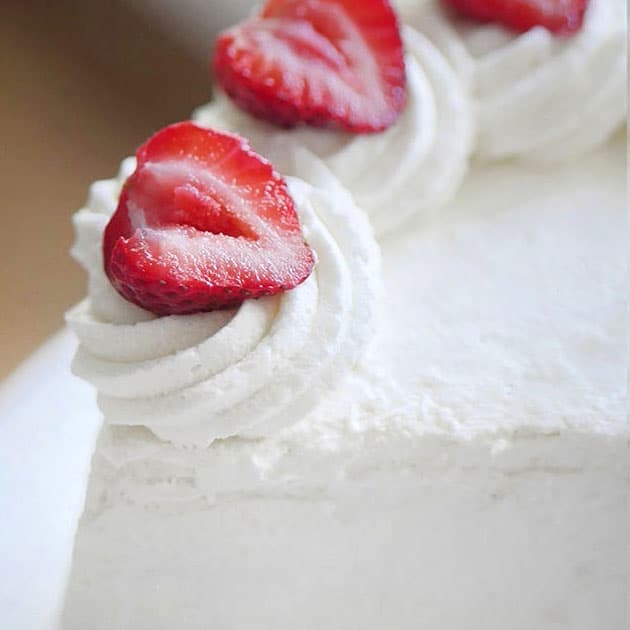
{"x":428,"y":432}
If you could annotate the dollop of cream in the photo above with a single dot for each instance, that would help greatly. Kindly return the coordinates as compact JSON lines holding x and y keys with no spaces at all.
{"x":411,"y":169}
{"x":538,"y":96}
{"x":248,"y":371}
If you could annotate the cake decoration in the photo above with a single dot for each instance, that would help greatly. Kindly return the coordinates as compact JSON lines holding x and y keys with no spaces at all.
{"x":246,"y":371}
{"x":562,"y":17}
{"x":327,"y":63}
{"x":203,"y":223}
{"x":536,"y":96}
{"x":409,"y":171}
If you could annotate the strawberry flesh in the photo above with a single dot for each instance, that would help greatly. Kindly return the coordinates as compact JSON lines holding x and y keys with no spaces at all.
{"x":327,"y":63}
{"x":562,"y":17}
{"x":203,"y":223}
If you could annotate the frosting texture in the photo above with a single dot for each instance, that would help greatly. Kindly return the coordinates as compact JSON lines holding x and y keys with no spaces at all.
{"x":537,"y":96}
{"x":411,"y":169}
{"x":247,"y":371}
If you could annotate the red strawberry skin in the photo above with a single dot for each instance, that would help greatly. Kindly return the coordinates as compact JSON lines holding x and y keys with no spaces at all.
{"x":328,"y":63}
{"x":562,"y":17}
{"x":203,"y":223}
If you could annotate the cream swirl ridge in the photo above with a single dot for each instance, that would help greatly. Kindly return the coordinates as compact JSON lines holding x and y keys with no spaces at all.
{"x":538,"y":96}
{"x":411,"y":169}
{"x":248,"y":371}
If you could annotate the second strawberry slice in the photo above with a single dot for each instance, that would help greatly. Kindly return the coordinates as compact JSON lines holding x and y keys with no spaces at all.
{"x":203,"y":223}
{"x":327,"y":63}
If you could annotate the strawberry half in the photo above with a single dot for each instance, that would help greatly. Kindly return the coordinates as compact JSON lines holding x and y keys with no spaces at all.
{"x":562,"y":17}
{"x":203,"y":223}
{"x":327,"y":63}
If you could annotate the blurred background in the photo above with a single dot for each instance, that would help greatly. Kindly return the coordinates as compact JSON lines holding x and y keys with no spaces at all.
{"x":82,"y":84}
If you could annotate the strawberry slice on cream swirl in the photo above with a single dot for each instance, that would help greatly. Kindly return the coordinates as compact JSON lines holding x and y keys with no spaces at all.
{"x":409,"y":169}
{"x":538,"y":96}
{"x":244,"y":371}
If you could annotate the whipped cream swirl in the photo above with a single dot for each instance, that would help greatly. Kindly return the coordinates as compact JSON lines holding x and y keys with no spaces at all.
{"x":248,"y":371}
{"x":411,"y":169}
{"x":538,"y":96}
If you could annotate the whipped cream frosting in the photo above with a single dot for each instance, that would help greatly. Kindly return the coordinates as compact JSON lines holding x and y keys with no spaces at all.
{"x":537,"y":96}
{"x":411,"y":169}
{"x":248,"y":371}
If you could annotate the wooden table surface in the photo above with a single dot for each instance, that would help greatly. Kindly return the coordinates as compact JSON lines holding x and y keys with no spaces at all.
{"x":82,"y":85}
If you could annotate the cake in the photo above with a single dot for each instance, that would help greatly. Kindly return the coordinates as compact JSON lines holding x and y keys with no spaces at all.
{"x":429,"y":431}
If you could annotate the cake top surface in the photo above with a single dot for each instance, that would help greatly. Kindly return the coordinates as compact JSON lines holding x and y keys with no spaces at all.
{"x":518,"y":314}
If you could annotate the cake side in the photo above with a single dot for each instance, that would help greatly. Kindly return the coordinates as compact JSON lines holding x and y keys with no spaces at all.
{"x":435,"y":532}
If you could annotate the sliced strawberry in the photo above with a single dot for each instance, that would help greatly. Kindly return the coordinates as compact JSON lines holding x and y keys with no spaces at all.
{"x":562,"y":17}
{"x":327,"y":63}
{"x":203,"y":223}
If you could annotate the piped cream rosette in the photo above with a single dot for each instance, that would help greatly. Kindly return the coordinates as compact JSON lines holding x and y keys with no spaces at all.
{"x":538,"y":96}
{"x":411,"y":169}
{"x":248,"y":371}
